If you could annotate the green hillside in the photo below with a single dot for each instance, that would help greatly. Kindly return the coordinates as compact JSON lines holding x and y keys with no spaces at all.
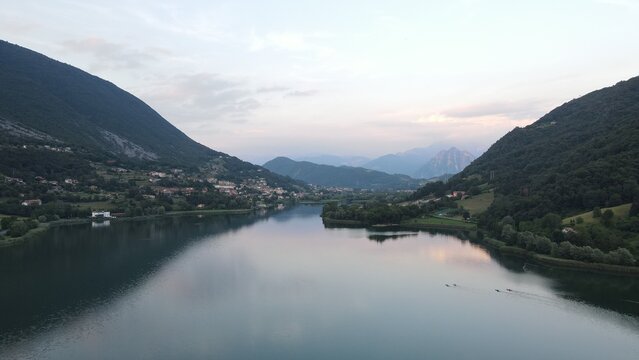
{"x":588,"y":217}
{"x":57,"y":119}
{"x":339,"y":176}
{"x":74,"y":107}
{"x":581,"y":155}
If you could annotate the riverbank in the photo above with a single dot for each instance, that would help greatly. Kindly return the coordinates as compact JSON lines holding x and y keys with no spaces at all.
{"x":553,"y":262}
{"x":433,"y":222}
{"x":8,"y":241}
{"x":329,"y":221}
{"x":430,"y":222}
{"x":505,"y":250}
{"x":31,"y":234}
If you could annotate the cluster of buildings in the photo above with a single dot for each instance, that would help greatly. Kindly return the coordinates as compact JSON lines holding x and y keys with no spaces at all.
{"x":166,"y":182}
{"x":461,"y":195}
{"x":65,"y":149}
{"x":247,"y":187}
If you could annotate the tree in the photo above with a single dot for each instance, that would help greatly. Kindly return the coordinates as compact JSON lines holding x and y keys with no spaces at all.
{"x":563,"y":250}
{"x":508,"y":234}
{"x":551,"y":221}
{"x":526,"y":240}
{"x":543,"y":245}
{"x":7,"y":221}
{"x":615,"y":200}
{"x":634,"y":208}
{"x":607,"y":218}
{"x":18,"y":228}
{"x":508,"y":220}
{"x":621,"y":256}
{"x":598,"y":256}
{"x":596,"y":212}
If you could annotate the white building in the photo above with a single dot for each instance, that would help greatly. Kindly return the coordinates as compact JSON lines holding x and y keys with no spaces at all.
{"x":101,"y":214}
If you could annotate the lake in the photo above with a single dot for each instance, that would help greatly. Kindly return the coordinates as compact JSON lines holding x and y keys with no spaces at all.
{"x":282,"y":286}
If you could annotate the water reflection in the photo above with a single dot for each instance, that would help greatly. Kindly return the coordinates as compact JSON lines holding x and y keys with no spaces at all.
{"x":100,"y":224}
{"x":381,"y":237}
{"x":79,"y":266}
{"x":286,"y":287}
{"x":620,"y":294}
{"x":617,"y":293}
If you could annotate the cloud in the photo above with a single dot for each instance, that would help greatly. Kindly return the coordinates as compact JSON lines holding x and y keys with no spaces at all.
{"x":202,"y":98}
{"x":514,"y":110}
{"x":110,"y":55}
{"x":626,"y":4}
{"x":291,"y":41}
{"x":301,"y":93}
{"x":11,"y":26}
{"x":272,"y":89}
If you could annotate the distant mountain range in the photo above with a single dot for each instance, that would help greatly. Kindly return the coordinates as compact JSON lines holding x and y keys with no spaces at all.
{"x":449,"y":161}
{"x":340,"y":176}
{"x":406,"y":163}
{"x":335,"y":160}
{"x":46,"y":104}
{"x":420,"y":163}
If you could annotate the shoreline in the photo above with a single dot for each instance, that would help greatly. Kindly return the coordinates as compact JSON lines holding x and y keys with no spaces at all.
{"x":512,"y":251}
{"x":559,"y":263}
{"x":500,"y":246}
{"x":404,"y":224}
{"x":8,"y":241}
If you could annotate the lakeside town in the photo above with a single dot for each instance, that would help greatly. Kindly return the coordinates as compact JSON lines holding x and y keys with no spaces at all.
{"x":112,"y":190}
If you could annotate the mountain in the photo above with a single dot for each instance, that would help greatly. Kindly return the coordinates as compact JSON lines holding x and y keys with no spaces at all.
{"x":406,"y":163}
{"x":335,"y":160}
{"x":57,"y":119}
{"x":449,"y":161}
{"x":342,"y":176}
{"x":581,"y":155}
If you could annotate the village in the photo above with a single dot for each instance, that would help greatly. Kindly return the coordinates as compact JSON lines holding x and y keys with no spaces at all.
{"x":120,"y":191}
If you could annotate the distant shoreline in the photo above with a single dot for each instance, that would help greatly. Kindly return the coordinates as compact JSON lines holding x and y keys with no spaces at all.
{"x":42,"y":227}
{"x":559,"y":263}
{"x":411,"y":224}
{"x":512,"y":251}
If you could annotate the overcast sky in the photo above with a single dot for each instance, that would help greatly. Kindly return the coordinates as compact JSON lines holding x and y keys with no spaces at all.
{"x":258,"y":79}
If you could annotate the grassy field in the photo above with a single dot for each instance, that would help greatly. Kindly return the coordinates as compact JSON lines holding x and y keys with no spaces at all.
{"x":437,"y":222}
{"x":620,"y":211}
{"x":477,"y":204}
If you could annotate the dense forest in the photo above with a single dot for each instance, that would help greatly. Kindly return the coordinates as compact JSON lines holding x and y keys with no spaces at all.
{"x":581,"y":155}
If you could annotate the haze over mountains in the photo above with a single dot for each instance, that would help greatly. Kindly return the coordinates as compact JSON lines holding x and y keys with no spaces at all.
{"x":404,"y":163}
{"x":420,"y":163}
{"x":449,"y":161}
{"x":340,"y":176}
{"x":335,"y":160}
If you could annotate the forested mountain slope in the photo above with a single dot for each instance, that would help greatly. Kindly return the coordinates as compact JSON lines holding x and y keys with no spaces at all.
{"x":56,"y":119}
{"x":580,"y":155}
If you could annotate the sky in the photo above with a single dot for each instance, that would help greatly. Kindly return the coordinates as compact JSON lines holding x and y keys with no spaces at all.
{"x":259,"y":79}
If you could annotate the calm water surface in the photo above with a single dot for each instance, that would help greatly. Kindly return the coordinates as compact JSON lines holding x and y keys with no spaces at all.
{"x":283,"y":286}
